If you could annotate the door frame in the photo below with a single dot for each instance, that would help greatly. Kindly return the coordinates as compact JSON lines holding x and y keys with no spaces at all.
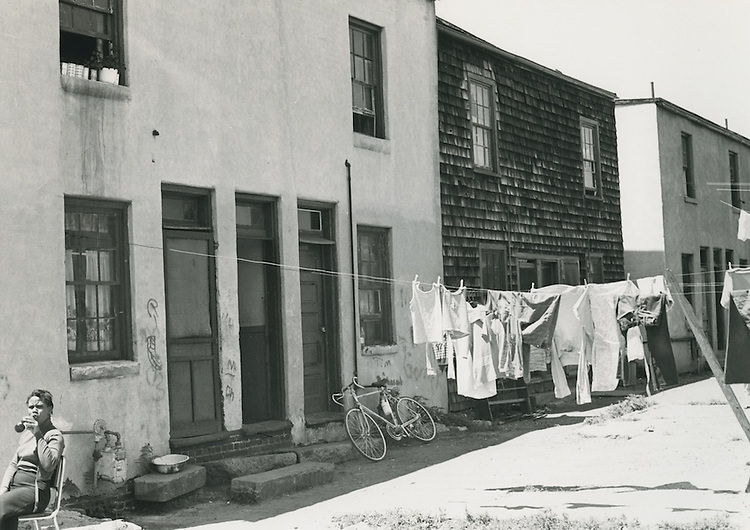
{"x":327,"y":244}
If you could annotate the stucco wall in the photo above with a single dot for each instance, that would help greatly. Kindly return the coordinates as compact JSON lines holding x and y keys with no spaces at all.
{"x":640,"y":190}
{"x":247,"y":98}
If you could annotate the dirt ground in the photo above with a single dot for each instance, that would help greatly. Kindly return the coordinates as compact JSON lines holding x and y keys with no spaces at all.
{"x":211,"y":505}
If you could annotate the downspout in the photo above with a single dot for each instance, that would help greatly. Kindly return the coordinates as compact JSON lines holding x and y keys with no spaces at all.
{"x":353,"y":264}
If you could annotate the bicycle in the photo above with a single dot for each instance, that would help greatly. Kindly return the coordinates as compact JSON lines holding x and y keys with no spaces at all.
{"x":410,"y":420}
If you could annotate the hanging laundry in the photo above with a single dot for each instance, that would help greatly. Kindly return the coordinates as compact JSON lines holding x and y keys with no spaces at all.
{"x":505,"y":305}
{"x":568,"y":334}
{"x":481,"y":352}
{"x":734,"y":280}
{"x":455,"y":317}
{"x":629,"y":326}
{"x":426,"y":314}
{"x":652,"y":312}
{"x":737,"y":362}
{"x":466,"y":384}
{"x":596,"y":309}
{"x":654,"y":285}
{"x":743,"y":226}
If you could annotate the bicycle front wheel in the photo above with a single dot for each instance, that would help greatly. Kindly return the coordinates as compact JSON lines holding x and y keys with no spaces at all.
{"x":365,"y":434}
{"x":420,"y":423}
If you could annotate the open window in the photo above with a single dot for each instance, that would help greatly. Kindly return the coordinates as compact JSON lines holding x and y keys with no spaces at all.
{"x":91,"y":40}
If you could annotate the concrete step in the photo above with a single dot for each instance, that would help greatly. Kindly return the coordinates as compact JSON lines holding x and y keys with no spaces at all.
{"x":223,"y":471}
{"x":333,"y":452}
{"x":260,"y":486}
{"x":163,"y":487}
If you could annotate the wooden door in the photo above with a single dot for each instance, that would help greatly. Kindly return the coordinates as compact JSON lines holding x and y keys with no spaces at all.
{"x":192,"y":357}
{"x":314,"y":329}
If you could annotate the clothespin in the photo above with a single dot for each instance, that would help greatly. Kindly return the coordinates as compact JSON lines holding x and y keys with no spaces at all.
{"x":585,"y":281}
{"x":461,"y":284}
{"x":532,"y":286}
{"x":438,"y":280}
{"x":416,"y":278}
{"x":730,"y":265}
{"x":628,"y":276}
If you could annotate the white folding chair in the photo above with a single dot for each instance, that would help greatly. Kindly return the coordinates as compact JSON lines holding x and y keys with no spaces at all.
{"x":50,"y":513}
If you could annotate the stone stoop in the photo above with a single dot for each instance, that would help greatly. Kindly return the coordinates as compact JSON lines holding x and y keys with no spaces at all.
{"x":268,"y":484}
{"x":333,"y":452}
{"x":163,"y":487}
{"x":224,"y":470}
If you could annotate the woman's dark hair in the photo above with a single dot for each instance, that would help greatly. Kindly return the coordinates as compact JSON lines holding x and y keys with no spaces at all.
{"x":44,"y":395}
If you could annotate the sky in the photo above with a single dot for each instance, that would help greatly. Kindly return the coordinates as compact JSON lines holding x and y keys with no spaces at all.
{"x":695,"y":52}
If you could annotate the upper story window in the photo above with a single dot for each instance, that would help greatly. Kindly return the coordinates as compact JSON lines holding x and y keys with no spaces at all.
{"x":91,"y":39}
{"x":96,"y":281}
{"x":687,"y":165}
{"x":367,"y":79}
{"x":590,"y":157}
{"x":374,"y":288}
{"x":734,"y":179}
{"x":482,"y":100}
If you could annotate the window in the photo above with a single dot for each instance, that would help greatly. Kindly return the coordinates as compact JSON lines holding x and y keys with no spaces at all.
{"x":493,"y":268}
{"x":596,"y":269}
{"x":96,"y":281}
{"x":718,"y":266}
{"x":687,"y":277}
{"x":482,"y":100}
{"x":705,"y":278}
{"x":374,"y":286}
{"x":687,"y":165}
{"x":590,"y":157}
{"x":734,"y":180}
{"x":91,"y":39}
{"x":541,"y":271}
{"x":367,"y":86}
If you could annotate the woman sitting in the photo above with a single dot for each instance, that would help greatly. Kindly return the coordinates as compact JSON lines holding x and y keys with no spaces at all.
{"x":25,"y":487}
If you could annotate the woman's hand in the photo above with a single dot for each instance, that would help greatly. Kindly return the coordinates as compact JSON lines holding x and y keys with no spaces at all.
{"x":31,"y":424}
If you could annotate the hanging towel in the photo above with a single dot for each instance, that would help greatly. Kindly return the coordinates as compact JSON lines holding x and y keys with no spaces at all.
{"x":737,"y":362}
{"x":426,"y":314}
{"x":743,"y":227}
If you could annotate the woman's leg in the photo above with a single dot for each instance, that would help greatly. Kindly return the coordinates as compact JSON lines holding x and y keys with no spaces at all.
{"x":18,"y":501}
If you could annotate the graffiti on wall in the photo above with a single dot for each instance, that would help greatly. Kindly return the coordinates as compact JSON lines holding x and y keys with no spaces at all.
{"x":231,"y":372}
{"x":155,"y":373}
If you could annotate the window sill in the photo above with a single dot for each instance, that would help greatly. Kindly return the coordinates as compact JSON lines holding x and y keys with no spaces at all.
{"x":385,"y":349}
{"x":690,"y":200}
{"x":103,"y":370}
{"x":97,"y":89}
{"x":371,"y":143}
{"x":486,"y":171}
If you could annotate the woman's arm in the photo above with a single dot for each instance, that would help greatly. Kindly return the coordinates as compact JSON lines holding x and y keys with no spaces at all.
{"x":9,"y":472}
{"x":49,"y":448}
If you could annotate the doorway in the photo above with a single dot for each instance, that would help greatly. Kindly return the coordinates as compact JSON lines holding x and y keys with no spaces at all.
{"x":317,"y":295}
{"x":259,"y":316}
{"x":192,"y":349}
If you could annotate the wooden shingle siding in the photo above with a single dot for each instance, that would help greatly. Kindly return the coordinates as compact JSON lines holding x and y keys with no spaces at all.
{"x":534,"y":201}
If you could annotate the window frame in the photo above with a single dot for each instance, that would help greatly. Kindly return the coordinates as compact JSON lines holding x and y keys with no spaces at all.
{"x":498,"y":250}
{"x":491,"y":129}
{"x":376,"y":84}
{"x":367,"y":282}
{"x":107,"y":46}
{"x":537,"y":262}
{"x":121,"y":295}
{"x":688,"y":164}
{"x":594,"y":190}
{"x":687,"y":264}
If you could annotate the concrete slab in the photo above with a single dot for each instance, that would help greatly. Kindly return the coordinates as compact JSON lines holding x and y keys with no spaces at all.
{"x":160,"y":487}
{"x":274,"y":483}
{"x":223,"y":471}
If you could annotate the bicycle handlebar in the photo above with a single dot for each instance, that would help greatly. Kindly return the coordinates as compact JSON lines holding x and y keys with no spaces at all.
{"x":338,"y":398}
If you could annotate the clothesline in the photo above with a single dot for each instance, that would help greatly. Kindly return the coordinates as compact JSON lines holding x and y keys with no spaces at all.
{"x":379,"y":278}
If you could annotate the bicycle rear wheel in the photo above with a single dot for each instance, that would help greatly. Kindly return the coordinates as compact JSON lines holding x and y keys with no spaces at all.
{"x":365,"y":434}
{"x":422,"y":427}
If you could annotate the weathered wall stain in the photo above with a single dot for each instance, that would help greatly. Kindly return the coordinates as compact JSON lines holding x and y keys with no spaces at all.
{"x":155,"y":373}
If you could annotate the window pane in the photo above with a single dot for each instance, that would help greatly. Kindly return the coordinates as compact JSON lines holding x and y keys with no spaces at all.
{"x":93,"y":291}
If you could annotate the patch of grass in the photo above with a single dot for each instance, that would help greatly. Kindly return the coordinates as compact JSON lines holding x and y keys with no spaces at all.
{"x":632,"y":403}
{"x":547,"y":520}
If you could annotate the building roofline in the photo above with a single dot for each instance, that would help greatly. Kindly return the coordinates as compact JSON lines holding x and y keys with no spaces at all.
{"x":692,"y":116}
{"x":453,"y":31}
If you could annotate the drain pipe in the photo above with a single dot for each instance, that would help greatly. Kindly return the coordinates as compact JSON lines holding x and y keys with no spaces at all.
{"x":355,"y":309}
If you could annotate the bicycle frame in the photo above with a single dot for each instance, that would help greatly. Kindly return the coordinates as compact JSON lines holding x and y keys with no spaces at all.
{"x":367,"y":410}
